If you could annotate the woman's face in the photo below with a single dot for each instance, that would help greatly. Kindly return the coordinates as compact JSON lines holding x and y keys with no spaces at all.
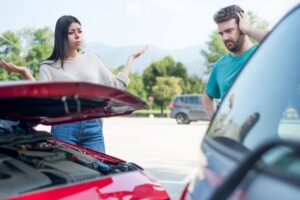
{"x":74,"y":36}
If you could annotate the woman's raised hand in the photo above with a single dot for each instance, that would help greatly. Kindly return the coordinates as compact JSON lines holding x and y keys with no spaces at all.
{"x":139,"y":52}
{"x":9,"y":67}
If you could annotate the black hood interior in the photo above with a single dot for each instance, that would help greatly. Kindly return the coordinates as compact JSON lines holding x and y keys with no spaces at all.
{"x":52,"y":103}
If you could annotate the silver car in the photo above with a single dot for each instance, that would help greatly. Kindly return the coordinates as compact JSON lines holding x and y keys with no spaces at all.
{"x":187,"y":108}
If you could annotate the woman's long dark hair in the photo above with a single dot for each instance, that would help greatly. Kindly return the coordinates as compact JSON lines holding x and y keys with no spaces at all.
{"x":61,"y":38}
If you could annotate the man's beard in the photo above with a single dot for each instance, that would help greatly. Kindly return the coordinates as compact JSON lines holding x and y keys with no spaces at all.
{"x":235,"y":46}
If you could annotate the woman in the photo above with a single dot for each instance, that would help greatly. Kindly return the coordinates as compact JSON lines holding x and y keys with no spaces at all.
{"x":68,"y":63}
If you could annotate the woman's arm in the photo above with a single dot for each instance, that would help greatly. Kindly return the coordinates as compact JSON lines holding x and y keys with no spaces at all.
{"x":24,"y":71}
{"x":131,"y":58}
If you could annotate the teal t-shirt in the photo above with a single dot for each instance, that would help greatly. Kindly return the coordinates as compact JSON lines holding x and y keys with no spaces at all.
{"x":225,"y":71}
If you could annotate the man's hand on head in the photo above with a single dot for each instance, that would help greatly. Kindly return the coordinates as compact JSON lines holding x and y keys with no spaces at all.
{"x":244,"y":23}
{"x":246,"y":27}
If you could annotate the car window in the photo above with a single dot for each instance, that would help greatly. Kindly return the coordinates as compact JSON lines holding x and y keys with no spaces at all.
{"x":264,"y":102}
{"x":194,"y":100}
{"x":178,"y":100}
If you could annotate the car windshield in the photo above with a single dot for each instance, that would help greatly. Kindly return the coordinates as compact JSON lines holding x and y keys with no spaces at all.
{"x":264,"y":102}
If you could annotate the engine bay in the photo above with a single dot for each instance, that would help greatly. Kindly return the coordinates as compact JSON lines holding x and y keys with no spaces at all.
{"x":29,"y":161}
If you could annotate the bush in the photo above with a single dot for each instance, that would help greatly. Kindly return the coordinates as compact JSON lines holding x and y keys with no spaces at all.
{"x":147,"y":113}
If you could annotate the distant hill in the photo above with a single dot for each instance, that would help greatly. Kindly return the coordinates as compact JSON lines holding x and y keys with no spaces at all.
{"x":116,"y":56}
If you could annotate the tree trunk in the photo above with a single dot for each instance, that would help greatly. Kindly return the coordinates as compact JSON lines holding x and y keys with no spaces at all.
{"x":161,"y":109}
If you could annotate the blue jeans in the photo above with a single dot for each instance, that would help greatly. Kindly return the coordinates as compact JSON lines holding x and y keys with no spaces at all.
{"x":86,"y":133}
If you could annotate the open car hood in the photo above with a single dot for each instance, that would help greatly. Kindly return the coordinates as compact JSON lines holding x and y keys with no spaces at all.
{"x":61,"y":102}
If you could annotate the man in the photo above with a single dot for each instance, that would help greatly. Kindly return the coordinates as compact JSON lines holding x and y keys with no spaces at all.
{"x":235,"y":29}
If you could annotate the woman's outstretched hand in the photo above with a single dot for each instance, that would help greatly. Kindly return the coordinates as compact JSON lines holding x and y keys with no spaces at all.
{"x":9,"y":67}
{"x":139,"y":52}
{"x":132,"y":57}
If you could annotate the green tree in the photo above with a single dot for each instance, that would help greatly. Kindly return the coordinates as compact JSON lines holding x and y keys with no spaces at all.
{"x":163,"y":68}
{"x":10,"y":44}
{"x":10,"y":50}
{"x":215,"y":50}
{"x":28,"y":47}
{"x":215,"y":47}
{"x":41,"y":48}
{"x":165,"y":89}
{"x":136,"y":85}
{"x":193,"y":85}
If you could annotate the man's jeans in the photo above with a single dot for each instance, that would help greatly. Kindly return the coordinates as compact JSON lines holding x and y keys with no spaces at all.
{"x":84,"y":133}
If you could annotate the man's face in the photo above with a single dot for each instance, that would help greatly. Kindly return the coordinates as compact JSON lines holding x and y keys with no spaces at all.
{"x":231,"y":35}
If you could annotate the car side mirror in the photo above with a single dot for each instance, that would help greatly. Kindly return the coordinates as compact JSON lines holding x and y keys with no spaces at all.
{"x":234,"y":179}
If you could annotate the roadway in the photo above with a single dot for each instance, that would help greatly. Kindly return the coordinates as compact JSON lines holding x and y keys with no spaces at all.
{"x":165,"y":149}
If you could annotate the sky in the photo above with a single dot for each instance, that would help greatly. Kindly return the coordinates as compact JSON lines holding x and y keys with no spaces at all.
{"x":166,"y":24}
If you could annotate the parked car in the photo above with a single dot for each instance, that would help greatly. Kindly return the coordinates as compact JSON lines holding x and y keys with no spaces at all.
{"x":251,"y":149}
{"x":187,"y":108}
{"x":33,"y":165}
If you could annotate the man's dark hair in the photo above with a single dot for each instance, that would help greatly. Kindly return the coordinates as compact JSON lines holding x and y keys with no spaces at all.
{"x":227,"y":13}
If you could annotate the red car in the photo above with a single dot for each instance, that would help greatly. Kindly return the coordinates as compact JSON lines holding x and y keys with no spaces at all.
{"x":35,"y":166}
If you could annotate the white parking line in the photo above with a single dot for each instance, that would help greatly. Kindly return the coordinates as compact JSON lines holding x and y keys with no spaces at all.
{"x":183,"y":181}
{"x":171,"y":182}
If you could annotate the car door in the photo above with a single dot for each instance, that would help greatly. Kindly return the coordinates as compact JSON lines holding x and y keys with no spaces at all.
{"x":263,"y":105}
{"x":195,"y":107}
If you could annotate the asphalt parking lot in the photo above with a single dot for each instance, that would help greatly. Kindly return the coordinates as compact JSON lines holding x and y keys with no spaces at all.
{"x":167,"y":150}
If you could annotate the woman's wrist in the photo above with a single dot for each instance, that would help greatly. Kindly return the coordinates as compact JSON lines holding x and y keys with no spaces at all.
{"x":26,"y":74}
{"x":130,"y":58}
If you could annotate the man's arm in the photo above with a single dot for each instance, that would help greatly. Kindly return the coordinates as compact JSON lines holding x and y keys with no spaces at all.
{"x":208,"y":104}
{"x":248,"y":29}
